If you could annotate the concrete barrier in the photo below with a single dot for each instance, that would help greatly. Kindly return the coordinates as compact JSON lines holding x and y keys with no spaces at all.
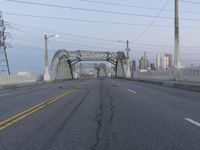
{"x":191,"y":86}
{"x":183,"y":74}
{"x":19,"y":78}
{"x":14,"y":86}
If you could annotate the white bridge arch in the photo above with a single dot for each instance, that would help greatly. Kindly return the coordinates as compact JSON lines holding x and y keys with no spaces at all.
{"x":63,"y":62}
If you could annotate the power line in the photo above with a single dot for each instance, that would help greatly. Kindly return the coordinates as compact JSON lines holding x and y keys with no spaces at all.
{"x":119,"y":4}
{"x":99,"y":11}
{"x":93,"y":38}
{"x":85,"y":9}
{"x":84,"y":20}
{"x":84,"y":45}
{"x":94,"y":21}
{"x":85,"y":37}
{"x":191,"y":2}
{"x":160,"y":45}
{"x":141,"y":7}
{"x":151,"y":23}
{"x":164,"y":26}
{"x":76,"y":35}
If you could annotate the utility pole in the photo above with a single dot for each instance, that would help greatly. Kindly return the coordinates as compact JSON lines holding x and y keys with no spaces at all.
{"x":46,"y":59}
{"x":46,"y":69}
{"x":4,"y":65}
{"x":177,"y":64}
{"x":127,"y":48}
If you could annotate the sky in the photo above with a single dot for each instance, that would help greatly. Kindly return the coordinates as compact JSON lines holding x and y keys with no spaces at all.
{"x":148,"y":25}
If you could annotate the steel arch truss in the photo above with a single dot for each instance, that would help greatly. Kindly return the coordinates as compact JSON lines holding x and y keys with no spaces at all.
{"x":70,"y":58}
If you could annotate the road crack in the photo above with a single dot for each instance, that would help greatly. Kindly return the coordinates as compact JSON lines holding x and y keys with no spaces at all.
{"x":104,"y":119}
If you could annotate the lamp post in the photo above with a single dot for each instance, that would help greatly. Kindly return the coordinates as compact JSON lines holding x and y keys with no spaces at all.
{"x":177,"y":63}
{"x":46,"y":67}
{"x":127,"y":47}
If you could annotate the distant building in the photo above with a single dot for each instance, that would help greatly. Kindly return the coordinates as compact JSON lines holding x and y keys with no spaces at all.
{"x":167,"y":61}
{"x":134,"y":65}
{"x":170,"y":59}
{"x":143,"y":62}
{"x":153,"y":67}
{"x":158,"y":62}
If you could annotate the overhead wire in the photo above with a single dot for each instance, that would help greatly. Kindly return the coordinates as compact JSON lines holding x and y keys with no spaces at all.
{"x":67,"y":35}
{"x":191,"y":2}
{"x":151,"y":23}
{"x":100,"y":11}
{"x":119,"y":4}
{"x":85,"y":9}
{"x":136,"y":6}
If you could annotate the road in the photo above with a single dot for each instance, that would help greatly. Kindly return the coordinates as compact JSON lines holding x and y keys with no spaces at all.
{"x":99,"y":114}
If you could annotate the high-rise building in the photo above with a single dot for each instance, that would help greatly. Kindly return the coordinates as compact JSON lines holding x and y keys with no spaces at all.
{"x":170,"y":59}
{"x":158,"y":62}
{"x":153,"y":67}
{"x":134,"y":65}
{"x":167,"y":61}
{"x":143,"y":62}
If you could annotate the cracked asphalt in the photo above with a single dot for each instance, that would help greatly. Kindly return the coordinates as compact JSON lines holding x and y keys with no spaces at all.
{"x":99,"y":114}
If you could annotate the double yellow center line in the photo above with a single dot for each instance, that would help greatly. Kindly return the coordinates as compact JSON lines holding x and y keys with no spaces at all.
{"x":10,"y":121}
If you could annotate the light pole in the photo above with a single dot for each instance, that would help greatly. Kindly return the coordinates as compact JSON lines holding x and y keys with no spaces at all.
{"x":46,"y":67}
{"x":127,"y":47}
{"x":177,"y":63}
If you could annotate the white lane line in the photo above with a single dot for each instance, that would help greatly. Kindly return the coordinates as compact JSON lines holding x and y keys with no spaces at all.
{"x":5,"y":94}
{"x":132,"y":91}
{"x":41,"y":87}
{"x":192,"y":121}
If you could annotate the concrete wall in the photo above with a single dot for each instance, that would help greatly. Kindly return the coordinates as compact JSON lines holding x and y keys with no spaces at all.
{"x":17,"y":79}
{"x":149,"y":74}
{"x":189,"y":74}
{"x":184,"y":74}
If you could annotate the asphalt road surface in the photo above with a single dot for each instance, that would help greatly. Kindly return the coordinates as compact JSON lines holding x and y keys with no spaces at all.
{"x":99,"y":114}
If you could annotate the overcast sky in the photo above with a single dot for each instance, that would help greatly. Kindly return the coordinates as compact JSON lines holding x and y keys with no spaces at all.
{"x":95,"y":30}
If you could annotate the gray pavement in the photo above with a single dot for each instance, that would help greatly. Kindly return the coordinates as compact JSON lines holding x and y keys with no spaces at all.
{"x":102,"y":114}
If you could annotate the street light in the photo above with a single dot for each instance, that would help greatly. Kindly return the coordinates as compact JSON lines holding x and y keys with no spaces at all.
{"x":46,"y":69}
{"x":127,"y":47}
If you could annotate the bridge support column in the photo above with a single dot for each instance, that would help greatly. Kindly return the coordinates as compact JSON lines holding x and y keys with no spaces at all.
{"x":124,"y":68}
{"x":102,"y":72}
{"x":63,"y":71}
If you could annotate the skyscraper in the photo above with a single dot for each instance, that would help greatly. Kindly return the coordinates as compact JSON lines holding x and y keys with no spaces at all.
{"x":143,"y":62}
{"x":167,"y":61}
{"x":158,"y":62}
{"x":134,"y":65}
{"x":170,"y":59}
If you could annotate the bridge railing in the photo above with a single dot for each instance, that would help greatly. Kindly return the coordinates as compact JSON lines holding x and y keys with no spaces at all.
{"x":184,"y":74}
{"x":17,"y":79}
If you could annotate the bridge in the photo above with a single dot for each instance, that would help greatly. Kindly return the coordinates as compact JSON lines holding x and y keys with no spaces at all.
{"x":63,"y":63}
